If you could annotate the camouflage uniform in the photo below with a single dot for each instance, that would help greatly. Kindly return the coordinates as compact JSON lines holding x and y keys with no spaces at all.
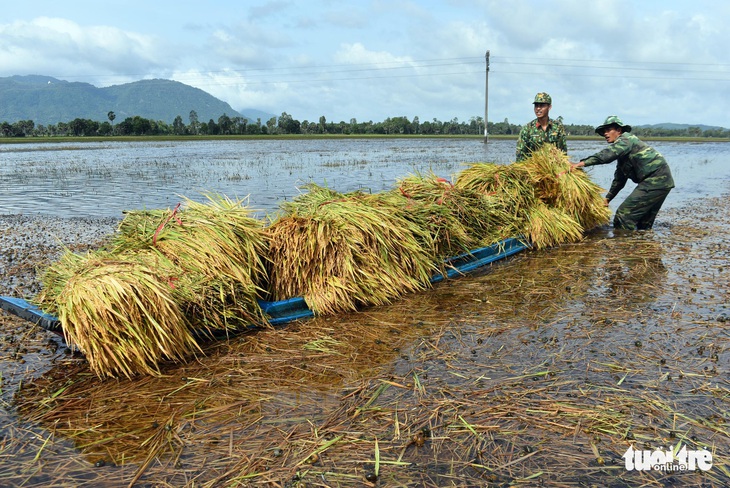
{"x":532,"y":137}
{"x":641,"y":164}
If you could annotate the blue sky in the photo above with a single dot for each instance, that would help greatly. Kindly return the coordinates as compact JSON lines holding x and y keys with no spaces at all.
{"x":647,"y":61}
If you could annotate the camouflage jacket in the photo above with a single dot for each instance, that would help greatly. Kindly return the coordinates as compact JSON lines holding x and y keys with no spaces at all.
{"x":532,"y":137}
{"x":637,"y":161}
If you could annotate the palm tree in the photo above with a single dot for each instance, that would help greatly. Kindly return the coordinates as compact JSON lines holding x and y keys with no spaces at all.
{"x":111,"y":115}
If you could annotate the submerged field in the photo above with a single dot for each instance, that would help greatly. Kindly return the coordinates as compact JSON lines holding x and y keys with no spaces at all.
{"x":541,"y":370}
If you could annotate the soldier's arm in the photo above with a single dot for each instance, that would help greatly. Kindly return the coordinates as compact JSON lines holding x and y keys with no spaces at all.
{"x":521,"y":152}
{"x":621,"y":147}
{"x":604,"y":156}
{"x":562,"y":137}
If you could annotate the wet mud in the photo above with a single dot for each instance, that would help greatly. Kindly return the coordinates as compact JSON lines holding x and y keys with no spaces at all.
{"x":541,"y":370}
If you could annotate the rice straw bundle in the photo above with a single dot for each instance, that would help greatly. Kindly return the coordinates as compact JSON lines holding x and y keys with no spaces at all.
{"x":54,"y":278}
{"x":433,"y":204}
{"x":508,"y":185}
{"x":339,"y":251}
{"x":549,"y":226}
{"x":309,"y":258}
{"x":549,"y":170}
{"x":473,"y":218}
{"x":121,"y":314}
{"x":220,"y":249}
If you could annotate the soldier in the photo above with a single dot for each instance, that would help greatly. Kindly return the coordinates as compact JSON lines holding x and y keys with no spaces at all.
{"x":639,"y":162}
{"x":541,"y":130}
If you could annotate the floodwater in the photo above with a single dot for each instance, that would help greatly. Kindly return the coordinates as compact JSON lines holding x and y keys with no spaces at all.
{"x":538,"y":371}
{"x":102,"y":179}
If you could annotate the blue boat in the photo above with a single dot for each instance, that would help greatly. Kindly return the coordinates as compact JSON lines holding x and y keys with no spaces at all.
{"x":283,"y":311}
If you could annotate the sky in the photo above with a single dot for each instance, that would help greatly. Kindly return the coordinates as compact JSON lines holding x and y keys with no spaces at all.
{"x":647,"y":61}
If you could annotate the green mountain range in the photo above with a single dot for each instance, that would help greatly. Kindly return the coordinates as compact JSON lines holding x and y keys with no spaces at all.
{"x":46,"y":100}
{"x":673,"y":126}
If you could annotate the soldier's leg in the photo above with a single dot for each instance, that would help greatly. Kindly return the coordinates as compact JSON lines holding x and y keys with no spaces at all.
{"x":655,"y":200}
{"x":639,"y":210}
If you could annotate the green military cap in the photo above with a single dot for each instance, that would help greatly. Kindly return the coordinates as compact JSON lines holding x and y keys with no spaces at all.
{"x":543,"y":97}
{"x":612,"y":120}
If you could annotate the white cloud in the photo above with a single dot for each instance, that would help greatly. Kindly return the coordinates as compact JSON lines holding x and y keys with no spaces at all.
{"x":651,"y":60}
{"x":61,"y":47}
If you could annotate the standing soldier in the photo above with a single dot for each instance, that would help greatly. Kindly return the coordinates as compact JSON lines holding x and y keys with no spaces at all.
{"x":542,"y":130}
{"x":639,"y":162}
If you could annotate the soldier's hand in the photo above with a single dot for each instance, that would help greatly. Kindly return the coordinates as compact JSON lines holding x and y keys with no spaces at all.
{"x":574,"y":166}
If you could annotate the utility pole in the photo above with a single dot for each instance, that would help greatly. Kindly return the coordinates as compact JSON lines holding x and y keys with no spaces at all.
{"x":486,"y":100}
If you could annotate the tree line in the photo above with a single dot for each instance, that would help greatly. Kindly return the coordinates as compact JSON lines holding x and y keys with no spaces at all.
{"x":286,"y":124}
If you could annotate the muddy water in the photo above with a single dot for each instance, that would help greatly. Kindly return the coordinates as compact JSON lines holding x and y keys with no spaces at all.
{"x":522,"y":372}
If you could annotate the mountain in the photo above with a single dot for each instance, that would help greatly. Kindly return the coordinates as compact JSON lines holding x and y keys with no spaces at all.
{"x":253,"y":114}
{"x":46,"y":100}
{"x":672,"y":126}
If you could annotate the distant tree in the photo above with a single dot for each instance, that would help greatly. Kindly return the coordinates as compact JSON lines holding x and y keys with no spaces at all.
{"x":141,"y":126}
{"x":271,"y":126}
{"x":194,"y":124}
{"x":397,"y":125}
{"x":476,"y":125}
{"x":238,"y":125}
{"x":111,"y":116}
{"x":224,"y":124}
{"x":23,"y":128}
{"x":178,"y":126}
{"x":213,"y":128}
{"x":79,"y":127}
{"x":105,"y":129}
{"x":254,"y":128}
{"x":288,"y":125}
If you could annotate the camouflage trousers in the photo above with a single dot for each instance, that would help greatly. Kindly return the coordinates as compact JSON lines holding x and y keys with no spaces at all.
{"x":639,"y":209}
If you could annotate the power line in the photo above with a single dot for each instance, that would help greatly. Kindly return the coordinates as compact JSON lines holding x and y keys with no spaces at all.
{"x":682,"y":63}
{"x":432,"y":67}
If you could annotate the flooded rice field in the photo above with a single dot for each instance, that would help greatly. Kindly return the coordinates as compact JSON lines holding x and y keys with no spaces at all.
{"x":551,"y":368}
{"x":103,"y":179}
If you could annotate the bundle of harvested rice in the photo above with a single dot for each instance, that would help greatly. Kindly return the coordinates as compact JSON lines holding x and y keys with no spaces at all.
{"x":508,"y":185}
{"x":220,"y":249}
{"x":549,"y":170}
{"x":550,"y":226}
{"x":432,"y":204}
{"x":54,"y":278}
{"x":476,"y":218}
{"x":340,"y":251}
{"x":120,"y":312}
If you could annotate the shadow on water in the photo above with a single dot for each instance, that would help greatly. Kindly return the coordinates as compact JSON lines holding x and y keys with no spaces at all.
{"x":547,"y":365}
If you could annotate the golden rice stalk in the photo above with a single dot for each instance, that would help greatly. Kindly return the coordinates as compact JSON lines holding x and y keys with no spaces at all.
{"x":120,"y":312}
{"x":432,"y":204}
{"x":220,"y":249}
{"x":549,"y":226}
{"x":54,"y":278}
{"x":508,"y":185}
{"x":340,"y":251}
{"x":459,"y":219}
{"x":557,"y":185}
